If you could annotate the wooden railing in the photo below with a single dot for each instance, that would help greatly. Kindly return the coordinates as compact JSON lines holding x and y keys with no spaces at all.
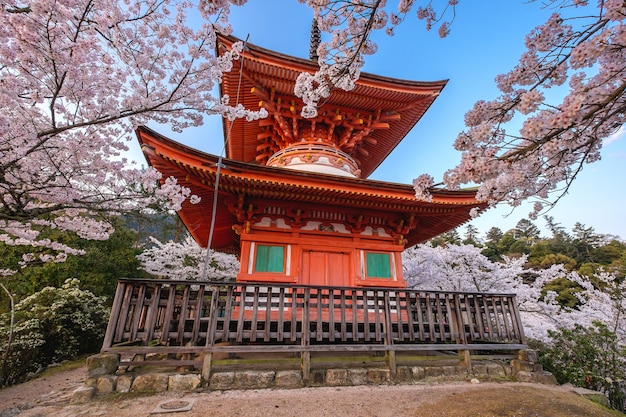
{"x":197,"y":319}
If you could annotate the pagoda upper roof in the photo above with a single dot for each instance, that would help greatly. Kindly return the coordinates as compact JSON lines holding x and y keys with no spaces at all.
{"x":386,"y":109}
{"x":198,"y":171}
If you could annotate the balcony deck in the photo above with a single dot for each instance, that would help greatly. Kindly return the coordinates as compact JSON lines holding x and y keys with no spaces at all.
{"x":193,"y":320}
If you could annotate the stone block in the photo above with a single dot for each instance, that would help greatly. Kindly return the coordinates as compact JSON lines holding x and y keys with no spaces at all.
{"x":520,"y":365}
{"x":222,"y":381}
{"x":336,"y":377}
{"x":403,"y":374}
{"x":82,"y":395}
{"x":495,"y":370}
{"x":528,"y":355}
{"x":418,"y":373}
{"x":546,"y":378}
{"x":357,"y":376}
{"x":525,"y":376}
{"x":317,"y":377}
{"x":288,"y":379}
{"x":124,"y":382}
{"x":102,"y":364}
{"x":378,"y":376}
{"x":151,"y":382}
{"x":479,"y":370}
{"x":448,"y":371}
{"x":91,"y":382}
{"x":106,"y":384}
{"x":184,"y":382}
{"x":461,"y":370}
{"x":433,"y":371}
{"x":254,"y":379}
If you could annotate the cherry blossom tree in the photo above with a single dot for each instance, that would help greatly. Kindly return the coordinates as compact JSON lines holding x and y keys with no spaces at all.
{"x":604,"y":302}
{"x":350,"y":24}
{"x":580,"y":49}
{"x":186,"y":260}
{"x":464,"y":268}
{"x":458,"y":268}
{"x":76,"y":77}
{"x":585,"y":54}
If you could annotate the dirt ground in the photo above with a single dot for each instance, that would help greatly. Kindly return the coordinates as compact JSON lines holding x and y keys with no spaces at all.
{"x":49,"y":396}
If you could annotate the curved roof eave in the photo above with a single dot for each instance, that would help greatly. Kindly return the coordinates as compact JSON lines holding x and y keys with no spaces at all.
{"x":373,"y":93}
{"x":197,"y":170}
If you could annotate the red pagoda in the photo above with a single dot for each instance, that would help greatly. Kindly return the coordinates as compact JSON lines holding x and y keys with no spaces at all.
{"x":293,"y":198}
{"x":319,"y":244}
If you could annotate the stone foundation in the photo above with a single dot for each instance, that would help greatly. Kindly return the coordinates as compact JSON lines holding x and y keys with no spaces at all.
{"x":524,"y":369}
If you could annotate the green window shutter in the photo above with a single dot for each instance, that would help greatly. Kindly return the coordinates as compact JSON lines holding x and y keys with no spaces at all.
{"x":378,"y":265}
{"x":269,"y":258}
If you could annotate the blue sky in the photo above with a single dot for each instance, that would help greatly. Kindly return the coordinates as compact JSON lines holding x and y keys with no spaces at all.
{"x":487,"y":39}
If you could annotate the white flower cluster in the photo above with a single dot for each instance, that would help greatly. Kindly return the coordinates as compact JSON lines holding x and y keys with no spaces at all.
{"x":76,"y":79}
{"x":52,"y":325}
{"x":186,"y":260}
{"x":350,"y":24}
{"x":556,"y":139}
{"x":422,"y":185}
{"x":464,"y":268}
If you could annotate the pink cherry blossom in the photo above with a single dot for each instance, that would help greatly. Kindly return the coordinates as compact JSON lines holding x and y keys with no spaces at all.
{"x":556,"y":139}
{"x":350,"y":24}
{"x":186,"y":260}
{"x":76,"y":78}
{"x":584,"y":51}
{"x":464,"y":268}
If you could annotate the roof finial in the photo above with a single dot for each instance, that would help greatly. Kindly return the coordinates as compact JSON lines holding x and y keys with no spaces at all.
{"x":316,"y":37}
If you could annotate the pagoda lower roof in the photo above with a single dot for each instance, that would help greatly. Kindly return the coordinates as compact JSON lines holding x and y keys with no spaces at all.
{"x":199,"y":172}
{"x":272,"y":74}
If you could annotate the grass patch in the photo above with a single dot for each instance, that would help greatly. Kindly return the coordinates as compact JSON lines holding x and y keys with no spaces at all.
{"x":64,"y":366}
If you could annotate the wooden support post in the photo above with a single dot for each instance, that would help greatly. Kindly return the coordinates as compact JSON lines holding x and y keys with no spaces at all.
{"x":391,"y":362}
{"x":306,"y":334}
{"x":206,"y":368}
{"x":210,"y":336}
{"x":461,"y":336}
{"x":465,"y":359}
{"x":306,"y":367}
{"x":390,"y":355}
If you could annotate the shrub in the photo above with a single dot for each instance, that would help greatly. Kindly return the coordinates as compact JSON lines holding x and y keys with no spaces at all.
{"x":50,"y":326}
{"x":590,"y":358}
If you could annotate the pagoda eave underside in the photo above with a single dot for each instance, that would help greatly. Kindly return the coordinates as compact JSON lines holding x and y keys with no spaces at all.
{"x":244,"y":185}
{"x":273,"y":74}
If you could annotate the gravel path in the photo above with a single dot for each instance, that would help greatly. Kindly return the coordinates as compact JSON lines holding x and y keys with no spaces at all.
{"x":49,"y":396}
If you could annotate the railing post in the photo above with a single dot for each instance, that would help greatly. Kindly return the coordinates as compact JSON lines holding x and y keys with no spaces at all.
{"x":306,"y":333}
{"x":206,"y":367}
{"x":519,"y":328}
{"x":464,"y":355}
{"x":153,"y":311}
{"x":114,"y":317}
{"x":169,"y":314}
{"x":390,"y":354}
{"x":198,"y":315}
{"x":210,"y":336}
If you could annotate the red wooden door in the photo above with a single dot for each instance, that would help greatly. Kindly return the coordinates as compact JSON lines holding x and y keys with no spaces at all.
{"x":325,"y":268}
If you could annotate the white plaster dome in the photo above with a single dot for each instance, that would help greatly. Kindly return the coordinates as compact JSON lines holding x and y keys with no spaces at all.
{"x":315,"y":157}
